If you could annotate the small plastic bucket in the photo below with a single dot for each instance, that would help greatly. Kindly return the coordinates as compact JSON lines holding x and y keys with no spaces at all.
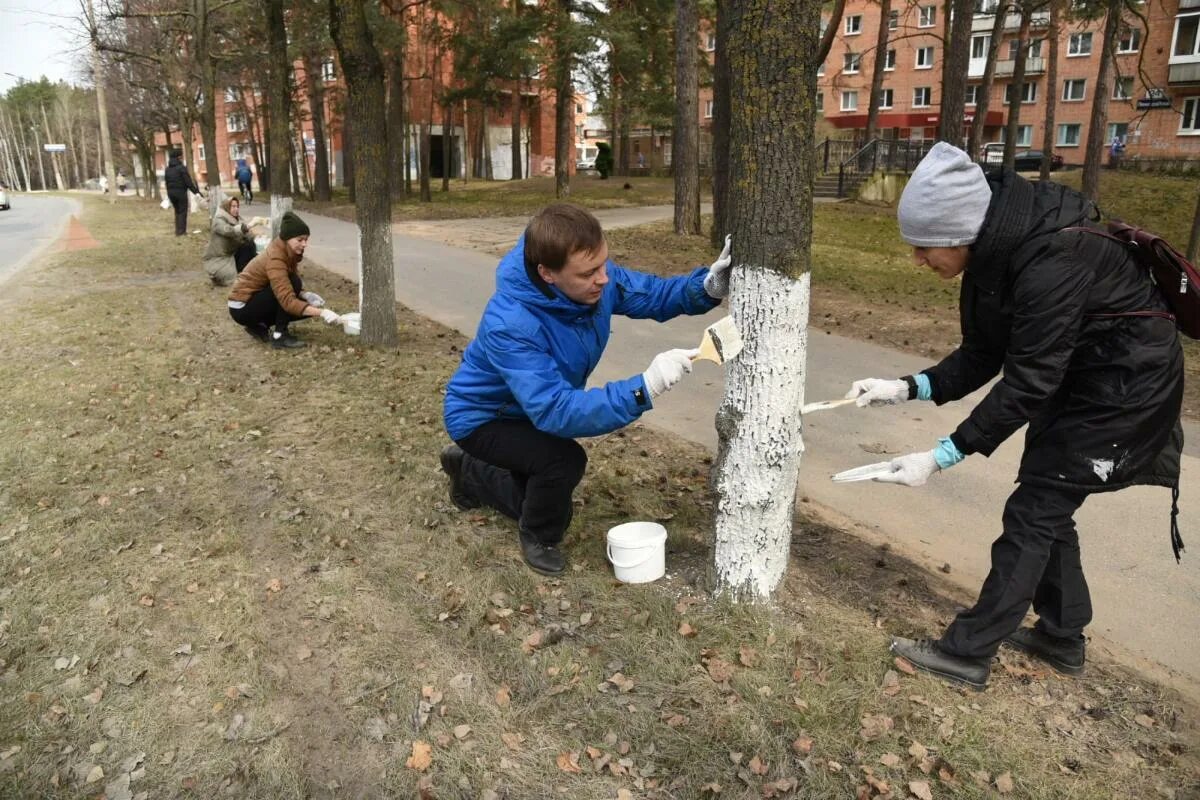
{"x":637,"y":551}
{"x":352,"y":323}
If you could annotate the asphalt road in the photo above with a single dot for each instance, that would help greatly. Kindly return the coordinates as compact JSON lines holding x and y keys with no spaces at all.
{"x":33,"y":223}
{"x":1145,"y":604}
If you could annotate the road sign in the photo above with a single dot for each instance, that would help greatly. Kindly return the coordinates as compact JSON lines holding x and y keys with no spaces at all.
{"x":54,"y":148}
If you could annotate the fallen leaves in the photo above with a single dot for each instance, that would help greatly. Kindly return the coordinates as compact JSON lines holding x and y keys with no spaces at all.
{"x":903,"y":665}
{"x":1004,"y":783}
{"x":422,"y":756}
{"x":687,"y":631}
{"x":274,"y":585}
{"x":875,"y":726}
{"x":920,"y":790}
{"x":503,"y":696}
{"x":622,"y":683}
{"x":568,"y":762}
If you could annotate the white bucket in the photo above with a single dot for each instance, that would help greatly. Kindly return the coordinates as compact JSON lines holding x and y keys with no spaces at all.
{"x":637,"y":551}
{"x":352,"y":323}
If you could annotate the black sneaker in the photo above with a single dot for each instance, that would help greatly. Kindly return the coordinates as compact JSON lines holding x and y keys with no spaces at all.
{"x":452,"y":459}
{"x":544,"y":558}
{"x":287,"y":342}
{"x":259,"y":331}
{"x":925,"y":655}
{"x":1065,"y":655}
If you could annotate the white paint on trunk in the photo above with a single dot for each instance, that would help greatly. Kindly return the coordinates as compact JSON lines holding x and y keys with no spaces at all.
{"x":760,"y":433}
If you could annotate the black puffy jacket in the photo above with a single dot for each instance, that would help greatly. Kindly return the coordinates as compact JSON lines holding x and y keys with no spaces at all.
{"x":1101,"y":395}
{"x":178,"y":179}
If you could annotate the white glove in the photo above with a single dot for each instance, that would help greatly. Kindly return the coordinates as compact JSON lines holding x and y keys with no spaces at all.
{"x":667,"y":369}
{"x":878,"y":392}
{"x":911,"y":470}
{"x":716,"y":282}
{"x":329,"y":317}
{"x":313,"y":299}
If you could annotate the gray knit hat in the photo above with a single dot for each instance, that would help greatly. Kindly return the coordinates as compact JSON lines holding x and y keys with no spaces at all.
{"x":945,"y":200}
{"x":292,"y":226}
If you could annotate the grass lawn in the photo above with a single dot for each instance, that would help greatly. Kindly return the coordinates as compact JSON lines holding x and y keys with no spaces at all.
{"x":234,"y":572}
{"x":866,"y":287}
{"x":511,"y":198}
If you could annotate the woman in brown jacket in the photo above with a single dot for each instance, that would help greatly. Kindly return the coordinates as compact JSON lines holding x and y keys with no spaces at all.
{"x":268,"y":293}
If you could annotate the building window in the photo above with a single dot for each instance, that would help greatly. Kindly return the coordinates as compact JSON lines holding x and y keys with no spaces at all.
{"x":232,"y":95}
{"x":821,"y":69}
{"x":1068,"y":135}
{"x":1187,"y":38}
{"x":1033,"y":51}
{"x":710,"y":42}
{"x":1130,"y":41}
{"x":893,"y":20}
{"x":928,"y":17}
{"x":972,"y":94}
{"x":889,"y":61}
{"x":849,"y":101}
{"x":578,"y":108}
{"x":851,"y":63}
{"x":1117,"y":130}
{"x":1190,"y":123}
{"x":1024,"y":135}
{"x":239,"y":150}
{"x":820,"y":102}
{"x":1028,"y":92}
{"x":979,"y":46}
{"x":1073,"y":90}
{"x":922,"y":97}
{"x":885,"y":98}
{"x":1123,"y":88}
{"x":924,"y":58}
{"x":708,"y":109}
{"x":200,"y":150}
{"x":853,"y":24}
{"x":328,"y":72}
{"x":1080,"y":44}
{"x":986,"y":6}
{"x":235,"y":121}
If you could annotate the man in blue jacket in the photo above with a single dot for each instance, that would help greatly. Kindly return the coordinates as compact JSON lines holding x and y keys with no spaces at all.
{"x":244,"y":176}
{"x":518,"y":400}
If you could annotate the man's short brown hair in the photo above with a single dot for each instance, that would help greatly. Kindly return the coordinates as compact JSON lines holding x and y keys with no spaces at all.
{"x":559,"y":230}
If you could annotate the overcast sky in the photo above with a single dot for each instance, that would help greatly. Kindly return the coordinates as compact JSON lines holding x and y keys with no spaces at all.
{"x":33,"y":43}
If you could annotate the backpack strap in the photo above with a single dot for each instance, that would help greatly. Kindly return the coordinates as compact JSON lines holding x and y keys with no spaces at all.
{"x":1125,"y":243}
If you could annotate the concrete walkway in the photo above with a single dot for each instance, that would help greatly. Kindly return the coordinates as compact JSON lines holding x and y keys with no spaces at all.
{"x":1146,"y":606}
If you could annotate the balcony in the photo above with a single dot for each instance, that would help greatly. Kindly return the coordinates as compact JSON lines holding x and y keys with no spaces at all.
{"x":1033,"y":66}
{"x":1187,"y":72}
{"x":1012,"y":22}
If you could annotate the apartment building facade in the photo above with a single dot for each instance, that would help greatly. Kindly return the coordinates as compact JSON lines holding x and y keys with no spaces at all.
{"x":1154,"y":97}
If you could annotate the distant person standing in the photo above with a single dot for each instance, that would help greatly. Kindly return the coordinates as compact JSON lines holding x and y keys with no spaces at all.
{"x":179,"y":182}
{"x":1115,"y":151}
{"x":121,"y":182}
{"x":244,"y":176}
{"x":104,"y":184}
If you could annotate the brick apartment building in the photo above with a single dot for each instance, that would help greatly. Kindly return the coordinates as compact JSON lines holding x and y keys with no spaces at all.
{"x":1154,"y":104}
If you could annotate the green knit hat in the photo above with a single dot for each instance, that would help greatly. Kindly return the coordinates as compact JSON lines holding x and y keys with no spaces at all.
{"x":292,"y":226}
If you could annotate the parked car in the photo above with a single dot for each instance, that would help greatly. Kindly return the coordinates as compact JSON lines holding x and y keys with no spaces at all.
{"x":1031,"y":161}
{"x":4,"y":203}
{"x":585,"y":164}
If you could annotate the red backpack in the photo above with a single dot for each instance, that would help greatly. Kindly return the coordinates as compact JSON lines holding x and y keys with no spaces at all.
{"x":1177,"y":279}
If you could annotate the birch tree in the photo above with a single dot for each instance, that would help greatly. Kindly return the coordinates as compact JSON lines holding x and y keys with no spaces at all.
{"x":770,"y":217}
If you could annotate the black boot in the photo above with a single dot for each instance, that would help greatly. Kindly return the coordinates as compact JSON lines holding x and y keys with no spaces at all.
{"x":924,"y":654}
{"x":452,"y":461}
{"x":1065,"y":655}
{"x":544,"y":558}
{"x":286,"y":341}
{"x":259,"y":331}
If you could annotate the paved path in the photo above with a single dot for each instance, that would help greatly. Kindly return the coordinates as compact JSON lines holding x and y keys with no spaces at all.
{"x":1146,"y":606}
{"x":33,"y":223}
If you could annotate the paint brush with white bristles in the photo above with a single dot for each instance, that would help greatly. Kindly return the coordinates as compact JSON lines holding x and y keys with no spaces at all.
{"x":721,"y":342}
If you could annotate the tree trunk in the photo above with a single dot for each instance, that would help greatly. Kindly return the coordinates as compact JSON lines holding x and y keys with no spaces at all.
{"x":447,"y":141}
{"x":101,"y":105}
{"x":486,"y":146}
{"x":427,"y":137}
{"x":189,"y":147}
{"x":771,"y":173}
{"x":685,"y":146}
{"x":1051,"y":100}
{"x":303,"y":153}
{"x":278,"y":92}
{"x":564,"y":101}
{"x":322,"y":191}
{"x":58,"y":179}
{"x":1018,"y":86}
{"x":257,"y":148}
{"x":881,"y":43}
{"x":956,"y":57}
{"x":984,"y":98}
{"x":366,"y":115}
{"x":208,"y":91}
{"x":348,"y":159}
{"x":720,"y":128}
{"x":73,"y":178}
{"x":397,"y":149}
{"x":516,"y":128}
{"x":468,"y":154}
{"x":296,"y":185}
{"x":1095,"y":143}
{"x":835,"y":21}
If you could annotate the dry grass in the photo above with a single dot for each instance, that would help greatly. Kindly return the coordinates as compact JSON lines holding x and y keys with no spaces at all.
{"x":154,"y":452}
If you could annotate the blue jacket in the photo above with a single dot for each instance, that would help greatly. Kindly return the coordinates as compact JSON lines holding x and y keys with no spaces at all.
{"x":243,"y":172}
{"x":533,"y":351}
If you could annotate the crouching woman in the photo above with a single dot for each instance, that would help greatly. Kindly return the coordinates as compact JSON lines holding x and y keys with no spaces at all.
{"x":230,"y":246}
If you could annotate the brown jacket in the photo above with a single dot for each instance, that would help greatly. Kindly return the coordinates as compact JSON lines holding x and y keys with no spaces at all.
{"x":274,"y":266}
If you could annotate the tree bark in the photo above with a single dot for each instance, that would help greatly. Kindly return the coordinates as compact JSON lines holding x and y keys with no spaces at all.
{"x":835,"y":21}
{"x":1018,"y":86}
{"x":1095,"y":143}
{"x":720,"y":128}
{"x":516,"y":127}
{"x":771,"y":172}
{"x":685,"y":146}
{"x":58,"y":179}
{"x":881,"y":43}
{"x":956,"y":57}
{"x":278,"y":93}
{"x":366,"y":115}
{"x":1051,"y":88}
{"x":208,"y":91}
{"x":348,"y":159}
{"x":322,"y":191}
{"x":985,"y":87}
{"x":485,"y":132}
{"x":397,"y":150}
{"x":564,"y":101}
{"x":427,"y":133}
{"x":447,"y":141}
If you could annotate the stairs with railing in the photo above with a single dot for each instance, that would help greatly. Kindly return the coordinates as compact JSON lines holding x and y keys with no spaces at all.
{"x":844,"y":164}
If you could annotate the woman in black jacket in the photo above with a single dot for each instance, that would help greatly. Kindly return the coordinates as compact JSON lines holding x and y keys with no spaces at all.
{"x":179,"y":182}
{"x":1048,"y":306}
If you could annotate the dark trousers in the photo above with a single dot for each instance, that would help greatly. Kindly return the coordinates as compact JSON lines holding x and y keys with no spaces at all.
{"x":263,"y":309}
{"x":525,"y":474}
{"x":244,"y":188}
{"x":244,"y":255}
{"x":179,"y":201}
{"x":1035,"y":560}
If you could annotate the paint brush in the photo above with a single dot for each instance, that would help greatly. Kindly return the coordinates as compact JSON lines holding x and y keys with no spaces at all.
{"x":825,"y":405}
{"x":721,"y":342}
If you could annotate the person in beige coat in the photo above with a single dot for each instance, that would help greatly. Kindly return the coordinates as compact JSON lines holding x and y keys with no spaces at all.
{"x":231,"y":245}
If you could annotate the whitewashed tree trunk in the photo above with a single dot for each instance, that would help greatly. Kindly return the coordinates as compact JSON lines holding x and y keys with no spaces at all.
{"x":280,"y":205}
